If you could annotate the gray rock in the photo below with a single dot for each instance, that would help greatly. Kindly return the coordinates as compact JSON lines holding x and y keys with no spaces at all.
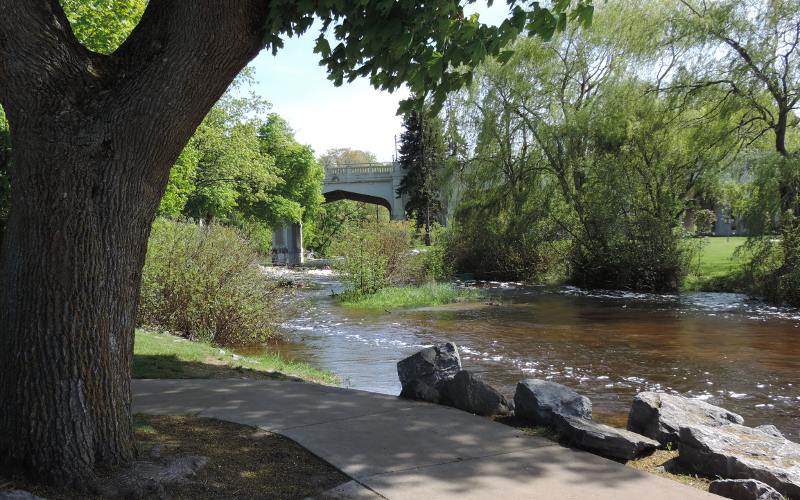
{"x":743,"y":489}
{"x":602,"y":439}
{"x":18,"y":495}
{"x":433,"y":365}
{"x":660,"y":416}
{"x":540,"y":400}
{"x":737,"y":452}
{"x":420,"y":391}
{"x":771,"y":430}
{"x":469,"y":393}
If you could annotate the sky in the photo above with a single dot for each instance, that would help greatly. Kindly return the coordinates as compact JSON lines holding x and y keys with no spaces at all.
{"x":323,"y":116}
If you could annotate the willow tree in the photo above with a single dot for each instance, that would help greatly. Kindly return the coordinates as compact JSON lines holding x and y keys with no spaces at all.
{"x":94,"y":136}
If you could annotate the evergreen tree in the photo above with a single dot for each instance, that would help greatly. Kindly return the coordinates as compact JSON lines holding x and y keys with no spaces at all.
{"x":422,"y":155}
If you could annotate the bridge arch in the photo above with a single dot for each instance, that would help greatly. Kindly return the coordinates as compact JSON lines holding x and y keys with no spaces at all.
{"x":339,"y":194}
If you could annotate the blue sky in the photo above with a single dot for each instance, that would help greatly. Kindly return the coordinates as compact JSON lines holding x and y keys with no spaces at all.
{"x":324,"y":116}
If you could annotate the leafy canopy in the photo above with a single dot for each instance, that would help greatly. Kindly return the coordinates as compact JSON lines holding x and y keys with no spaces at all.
{"x":424,"y":44}
{"x":102,"y":25}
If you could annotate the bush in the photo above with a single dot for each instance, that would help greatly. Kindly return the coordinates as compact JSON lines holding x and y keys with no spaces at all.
{"x":202,"y":283}
{"x":380,"y":255}
{"x":648,"y":257}
{"x":375,"y":255}
{"x":490,"y":251}
{"x":430,"y":264}
{"x":774,"y":270}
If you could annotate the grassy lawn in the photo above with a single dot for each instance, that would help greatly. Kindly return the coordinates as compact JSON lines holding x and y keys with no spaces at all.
{"x":411,"y":296}
{"x":716,"y":256}
{"x":157,"y":355}
{"x":715,"y":261}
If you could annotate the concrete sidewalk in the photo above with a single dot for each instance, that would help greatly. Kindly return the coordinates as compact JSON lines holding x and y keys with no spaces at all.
{"x":409,"y":450}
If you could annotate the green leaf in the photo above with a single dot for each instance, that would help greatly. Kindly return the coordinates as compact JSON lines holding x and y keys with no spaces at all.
{"x":322,"y":46}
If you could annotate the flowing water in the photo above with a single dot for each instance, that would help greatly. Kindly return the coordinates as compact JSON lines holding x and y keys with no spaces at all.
{"x":739,"y":354}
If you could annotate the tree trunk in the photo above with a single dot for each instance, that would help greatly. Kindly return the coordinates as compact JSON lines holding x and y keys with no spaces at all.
{"x":72,"y":260}
{"x":780,"y":130}
{"x":428,"y":223}
{"x":786,"y":189}
{"x":94,"y":138}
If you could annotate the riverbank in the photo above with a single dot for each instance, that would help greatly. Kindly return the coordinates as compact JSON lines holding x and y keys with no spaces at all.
{"x":161,"y":355}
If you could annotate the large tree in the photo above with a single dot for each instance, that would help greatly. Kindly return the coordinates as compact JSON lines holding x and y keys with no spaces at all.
{"x":94,"y":137}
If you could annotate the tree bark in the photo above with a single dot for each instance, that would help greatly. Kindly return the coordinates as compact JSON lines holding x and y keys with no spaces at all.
{"x":94,"y":139}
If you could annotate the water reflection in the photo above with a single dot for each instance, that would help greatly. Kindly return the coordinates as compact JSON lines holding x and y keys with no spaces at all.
{"x":723,"y":348}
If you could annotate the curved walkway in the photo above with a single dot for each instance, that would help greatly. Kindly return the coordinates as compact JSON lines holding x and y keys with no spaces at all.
{"x":408,"y":450}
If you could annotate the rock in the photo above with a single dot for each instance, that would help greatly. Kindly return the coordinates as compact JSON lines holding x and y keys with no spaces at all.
{"x":602,"y":439}
{"x":743,"y":489}
{"x":18,"y":495}
{"x":469,"y":393}
{"x":737,"y":452}
{"x":771,"y":430}
{"x":433,"y":365}
{"x":420,"y":391}
{"x":660,"y":416}
{"x":539,"y":400}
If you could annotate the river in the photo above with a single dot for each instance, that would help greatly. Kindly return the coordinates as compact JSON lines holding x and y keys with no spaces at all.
{"x":722,"y":348}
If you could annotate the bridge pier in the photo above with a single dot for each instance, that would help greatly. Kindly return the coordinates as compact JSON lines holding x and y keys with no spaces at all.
{"x":287,"y":245}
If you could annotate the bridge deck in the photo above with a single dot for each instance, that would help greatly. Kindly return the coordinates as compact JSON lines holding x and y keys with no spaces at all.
{"x":361,"y":172}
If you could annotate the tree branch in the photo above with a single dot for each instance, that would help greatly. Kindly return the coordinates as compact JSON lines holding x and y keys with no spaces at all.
{"x":39,"y":54}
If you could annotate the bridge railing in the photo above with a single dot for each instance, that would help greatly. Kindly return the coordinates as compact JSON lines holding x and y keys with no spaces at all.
{"x":359,"y":171}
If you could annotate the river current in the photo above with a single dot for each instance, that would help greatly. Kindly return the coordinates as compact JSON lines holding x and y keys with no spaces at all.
{"x":723,"y":348}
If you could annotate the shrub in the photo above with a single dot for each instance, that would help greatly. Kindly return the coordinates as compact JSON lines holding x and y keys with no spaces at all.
{"x":202,"y":283}
{"x":648,"y":256}
{"x":774,"y":270}
{"x":375,"y":256}
{"x":490,"y":251}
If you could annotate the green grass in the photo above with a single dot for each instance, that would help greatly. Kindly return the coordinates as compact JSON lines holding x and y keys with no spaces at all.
{"x":411,"y":296}
{"x":715,"y":264}
{"x":157,"y":355}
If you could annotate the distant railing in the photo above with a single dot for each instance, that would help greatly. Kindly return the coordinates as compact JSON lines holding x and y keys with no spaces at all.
{"x":342,"y":172}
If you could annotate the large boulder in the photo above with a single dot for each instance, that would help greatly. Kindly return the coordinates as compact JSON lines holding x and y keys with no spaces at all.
{"x":743,"y":489}
{"x":737,"y":452}
{"x":420,"y":391}
{"x":540,"y":400}
{"x":433,"y":365}
{"x":660,"y":416}
{"x":603,"y":439}
{"x":469,"y":393}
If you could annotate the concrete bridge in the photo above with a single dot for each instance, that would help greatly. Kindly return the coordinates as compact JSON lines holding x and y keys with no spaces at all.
{"x":375,"y":183}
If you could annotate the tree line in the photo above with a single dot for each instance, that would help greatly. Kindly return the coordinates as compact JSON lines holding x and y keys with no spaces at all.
{"x":592,"y":156}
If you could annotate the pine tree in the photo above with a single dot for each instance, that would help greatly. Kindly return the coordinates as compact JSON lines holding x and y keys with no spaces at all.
{"x":422,"y":155}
